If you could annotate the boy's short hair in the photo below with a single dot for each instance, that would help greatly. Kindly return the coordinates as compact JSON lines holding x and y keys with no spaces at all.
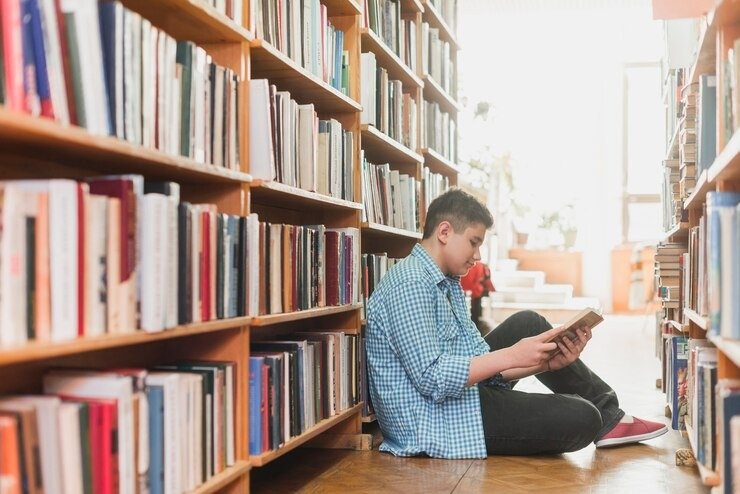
{"x":459,"y":208}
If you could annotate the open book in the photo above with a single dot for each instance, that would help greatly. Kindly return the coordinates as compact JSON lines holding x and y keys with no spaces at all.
{"x":587,"y":317}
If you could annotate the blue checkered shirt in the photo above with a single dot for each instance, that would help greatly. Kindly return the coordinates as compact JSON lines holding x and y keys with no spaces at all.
{"x":420,"y":341}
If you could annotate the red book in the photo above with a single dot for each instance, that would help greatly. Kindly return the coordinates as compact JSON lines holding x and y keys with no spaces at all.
{"x":124,"y":190}
{"x":333,"y":259}
{"x":107,"y":430}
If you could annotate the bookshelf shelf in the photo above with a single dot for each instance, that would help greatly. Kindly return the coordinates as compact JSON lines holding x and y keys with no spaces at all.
{"x":38,"y":351}
{"x":678,"y":232}
{"x":220,"y":481}
{"x":707,"y":51}
{"x":438,"y":163}
{"x":696,"y":199}
{"x":411,"y":6}
{"x":433,"y":17}
{"x":708,"y":477}
{"x":269,"y":63}
{"x":369,"y":419}
{"x":701,"y":321}
{"x":265,"y":458}
{"x":274,"y":192}
{"x":727,"y":164}
{"x":35,"y":139}
{"x":379,"y":148}
{"x":388,"y":231}
{"x":676,"y":325}
{"x":194,"y":20}
{"x":729,"y":347}
{"x":268,"y":320}
{"x":398,"y":70}
{"x":434,"y":92}
{"x":342,"y":7}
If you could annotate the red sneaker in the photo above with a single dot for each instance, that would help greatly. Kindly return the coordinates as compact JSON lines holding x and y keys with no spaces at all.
{"x":624,"y":433}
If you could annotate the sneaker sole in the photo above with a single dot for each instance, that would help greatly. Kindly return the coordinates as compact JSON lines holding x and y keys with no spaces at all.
{"x":631,"y":439}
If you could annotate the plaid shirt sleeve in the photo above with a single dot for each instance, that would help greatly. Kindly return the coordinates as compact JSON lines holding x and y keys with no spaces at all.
{"x":412,"y":334}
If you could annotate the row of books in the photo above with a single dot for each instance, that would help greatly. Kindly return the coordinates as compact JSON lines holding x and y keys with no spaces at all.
{"x":687,"y":141}
{"x":297,"y":382}
{"x":290,"y":144}
{"x":303,"y":31}
{"x":115,"y":254}
{"x":435,"y":184}
{"x":694,"y":265}
{"x":672,"y":202}
{"x":439,"y":131}
{"x":374,"y":267}
{"x":385,"y":105}
{"x":165,"y":430}
{"x":303,"y":267}
{"x":436,"y":59}
{"x":104,"y":67}
{"x":384,"y":18}
{"x":390,"y":197}
{"x":668,"y":275}
{"x":701,"y":410}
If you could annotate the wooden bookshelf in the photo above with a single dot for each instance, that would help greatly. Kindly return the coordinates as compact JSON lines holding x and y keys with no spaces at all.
{"x":51,"y":148}
{"x":269,"y":63}
{"x":270,"y":192}
{"x":729,"y":347}
{"x":379,"y":148}
{"x":385,"y":58}
{"x":678,"y":232}
{"x":38,"y":351}
{"x":223,"y":479}
{"x":434,"y":18}
{"x":676,"y":326}
{"x":707,"y":50}
{"x":438,"y":163}
{"x":434,"y":92}
{"x":696,"y":199}
{"x":342,"y":7}
{"x":272,"y":319}
{"x":367,"y":419}
{"x":194,"y":20}
{"x":411,"y":6}
{"x":708,"y":476}
{"x":377,"y":229}
{"x":726,"y":166}
{"x":324,"y":425}
{"x":701,"y":321}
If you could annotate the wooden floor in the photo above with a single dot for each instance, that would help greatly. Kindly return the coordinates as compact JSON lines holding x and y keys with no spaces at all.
{"x":621,"y":352}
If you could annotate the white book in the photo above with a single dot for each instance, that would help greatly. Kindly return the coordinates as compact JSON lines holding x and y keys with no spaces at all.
{"x":133,"y":88}
{"x":96,"y":255}
{"x":307,"y":152}
{"x":161,"y":92}
{"x":172,"y":260}
{"x":253,"y":264}
{"x":148,"y":42}
{"x":13,"y":322}
{"x":369,"y":91}
{"x":52,"y":49}
{"x":71,"y":451}
{"x":154,"y":208}
{"x":261,"y":152}
{"x":84,"y":384}
{"x":85,"y":12}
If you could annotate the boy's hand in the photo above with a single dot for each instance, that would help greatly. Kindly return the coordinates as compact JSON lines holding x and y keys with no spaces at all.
{"x":533,"y":351}
{"x":570,"y":349}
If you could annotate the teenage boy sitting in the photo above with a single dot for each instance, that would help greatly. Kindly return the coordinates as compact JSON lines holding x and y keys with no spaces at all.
{"x":440,"y":389}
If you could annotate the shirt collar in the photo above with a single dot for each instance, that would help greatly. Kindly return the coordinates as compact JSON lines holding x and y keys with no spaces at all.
{"x":431,"y":267}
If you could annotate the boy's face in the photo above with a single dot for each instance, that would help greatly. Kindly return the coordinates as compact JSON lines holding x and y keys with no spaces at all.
{"x":461,"y":250}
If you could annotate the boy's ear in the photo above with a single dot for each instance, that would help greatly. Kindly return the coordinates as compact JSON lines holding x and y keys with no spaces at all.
{"x":444,"y":230}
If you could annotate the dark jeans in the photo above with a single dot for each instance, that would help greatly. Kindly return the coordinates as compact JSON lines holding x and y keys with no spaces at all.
{"x":582,"y":408}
